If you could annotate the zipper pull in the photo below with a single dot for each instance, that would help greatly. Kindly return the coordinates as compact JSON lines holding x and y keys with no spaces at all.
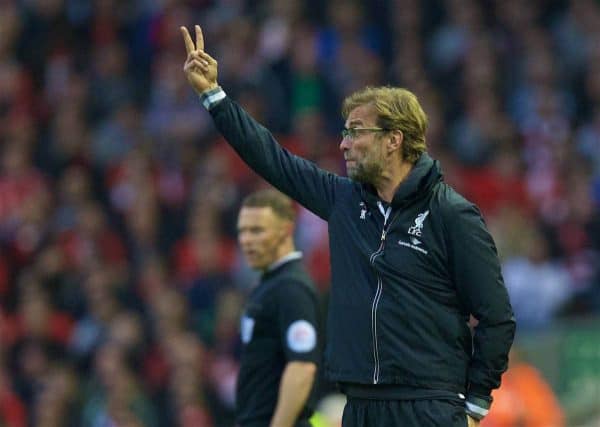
{"x":383,"y":232}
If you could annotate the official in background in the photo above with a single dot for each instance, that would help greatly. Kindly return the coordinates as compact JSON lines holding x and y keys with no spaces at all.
{"x":279,"y":326}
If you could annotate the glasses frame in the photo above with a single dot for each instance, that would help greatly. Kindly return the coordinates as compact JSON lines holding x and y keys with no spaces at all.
{"x":352,"y":133}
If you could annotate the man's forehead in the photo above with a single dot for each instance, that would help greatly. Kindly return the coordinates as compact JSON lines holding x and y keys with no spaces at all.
{"x":256,"y":214}
{"x":362,"y":114}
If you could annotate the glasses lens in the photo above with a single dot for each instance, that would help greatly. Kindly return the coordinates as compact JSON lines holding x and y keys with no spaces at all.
{"x":348,"y":133}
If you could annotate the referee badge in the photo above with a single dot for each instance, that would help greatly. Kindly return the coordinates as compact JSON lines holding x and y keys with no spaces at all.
{"x":246,"y":329}
{"x":301,"y":336}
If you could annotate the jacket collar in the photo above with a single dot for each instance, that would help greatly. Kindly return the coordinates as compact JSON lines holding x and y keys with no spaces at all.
{"x":424,"y":174}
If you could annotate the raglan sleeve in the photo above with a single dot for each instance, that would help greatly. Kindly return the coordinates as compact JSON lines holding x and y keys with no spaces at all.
{"x":300,"y":179}
{"x":475,"y":270}
{"x":298,"y":317}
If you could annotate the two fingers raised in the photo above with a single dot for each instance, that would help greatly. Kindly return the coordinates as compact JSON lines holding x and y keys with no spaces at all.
{"x":189,"y":44}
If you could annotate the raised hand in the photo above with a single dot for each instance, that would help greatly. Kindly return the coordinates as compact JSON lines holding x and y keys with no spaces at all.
{"x":200,"y":68}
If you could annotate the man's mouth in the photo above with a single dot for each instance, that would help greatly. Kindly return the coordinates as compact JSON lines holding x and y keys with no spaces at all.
{"x":249,"y":253}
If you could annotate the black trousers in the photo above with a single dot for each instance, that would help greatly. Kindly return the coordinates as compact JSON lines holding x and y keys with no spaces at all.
{"x":266,"y":423}
{"x":404,"y":413}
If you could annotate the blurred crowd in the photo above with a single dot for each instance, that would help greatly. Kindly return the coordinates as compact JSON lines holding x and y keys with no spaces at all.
{"x":120,"y":279}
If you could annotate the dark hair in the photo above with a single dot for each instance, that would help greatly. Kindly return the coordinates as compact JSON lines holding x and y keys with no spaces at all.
{"x":281,"y":204}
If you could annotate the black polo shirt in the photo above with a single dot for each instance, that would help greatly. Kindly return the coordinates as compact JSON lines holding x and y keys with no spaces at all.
{"x":279,"y":325}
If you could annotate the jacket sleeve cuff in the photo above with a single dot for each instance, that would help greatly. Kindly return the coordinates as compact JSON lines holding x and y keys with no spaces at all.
{"x":212,"y":97}
{"x":477,"y":407}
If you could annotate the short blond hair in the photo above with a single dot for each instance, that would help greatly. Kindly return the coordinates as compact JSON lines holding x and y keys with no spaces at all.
{"x":282,"y":205}
{"x":397,"y":109}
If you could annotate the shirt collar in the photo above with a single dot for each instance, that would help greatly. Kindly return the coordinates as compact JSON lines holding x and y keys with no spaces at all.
{"x":287,"y":258}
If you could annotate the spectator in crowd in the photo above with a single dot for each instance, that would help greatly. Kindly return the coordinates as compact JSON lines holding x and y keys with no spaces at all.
{"x":525,"y":399}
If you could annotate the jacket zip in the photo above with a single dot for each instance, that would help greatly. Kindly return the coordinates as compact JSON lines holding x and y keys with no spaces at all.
{"x":377,"y":297}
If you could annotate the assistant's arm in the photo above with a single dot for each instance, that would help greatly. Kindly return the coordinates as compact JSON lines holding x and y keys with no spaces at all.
{"x":296,"y":384}
{"x":299,"y":334}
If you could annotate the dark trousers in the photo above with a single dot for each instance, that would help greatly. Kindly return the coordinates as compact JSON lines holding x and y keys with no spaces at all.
{"x":404,"y":413}
{"x":266,"y":423}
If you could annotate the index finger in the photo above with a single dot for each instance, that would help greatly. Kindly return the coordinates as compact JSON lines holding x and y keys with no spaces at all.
{"x":199,"y":38}
{"x":189,"y":44}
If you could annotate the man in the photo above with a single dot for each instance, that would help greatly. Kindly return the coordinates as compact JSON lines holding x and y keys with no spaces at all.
{"x":411,"y":260}
{"x":279,"y":325}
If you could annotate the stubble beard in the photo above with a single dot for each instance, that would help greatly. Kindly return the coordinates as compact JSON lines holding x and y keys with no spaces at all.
{"x":366,"y":174}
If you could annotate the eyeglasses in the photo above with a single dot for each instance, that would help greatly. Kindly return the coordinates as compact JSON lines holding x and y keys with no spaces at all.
{"x":352,"y":133}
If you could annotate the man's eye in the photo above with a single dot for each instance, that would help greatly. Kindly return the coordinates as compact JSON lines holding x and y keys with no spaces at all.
{"x":349,"y":133}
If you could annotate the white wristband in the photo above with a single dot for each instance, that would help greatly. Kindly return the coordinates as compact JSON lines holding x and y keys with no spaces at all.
{"x":212,"y":97}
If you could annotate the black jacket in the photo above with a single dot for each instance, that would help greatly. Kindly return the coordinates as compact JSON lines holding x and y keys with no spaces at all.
{"x":402,"y":289}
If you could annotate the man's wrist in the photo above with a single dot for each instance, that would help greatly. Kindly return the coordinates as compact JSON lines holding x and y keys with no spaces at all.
{"x":477,"y":407}
{"x":212,"y":97}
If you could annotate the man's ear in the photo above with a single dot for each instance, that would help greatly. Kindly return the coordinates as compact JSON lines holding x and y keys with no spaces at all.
{"x":395,"y":141}
{"x":287,"y":229}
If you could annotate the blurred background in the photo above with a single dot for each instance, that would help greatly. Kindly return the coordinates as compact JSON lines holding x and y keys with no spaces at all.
{"x":121,"y":283}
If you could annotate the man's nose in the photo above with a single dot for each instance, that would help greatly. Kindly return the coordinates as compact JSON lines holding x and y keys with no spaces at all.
{"x":345,"y":144}
{"x":243,"y":238}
